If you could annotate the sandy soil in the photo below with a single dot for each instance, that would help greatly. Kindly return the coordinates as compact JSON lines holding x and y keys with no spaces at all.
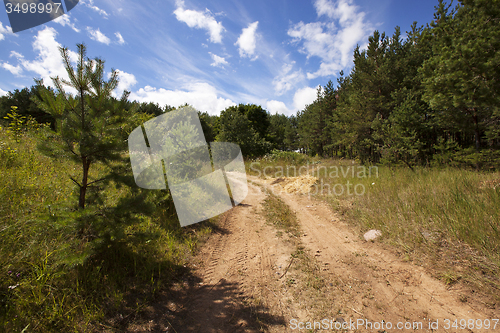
{"x":244,"y":280}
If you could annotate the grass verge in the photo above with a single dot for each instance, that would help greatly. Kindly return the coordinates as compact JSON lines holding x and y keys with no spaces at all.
{"x":53,"y":278}
{"x":303,"y":276}
{"x":445,"y":219}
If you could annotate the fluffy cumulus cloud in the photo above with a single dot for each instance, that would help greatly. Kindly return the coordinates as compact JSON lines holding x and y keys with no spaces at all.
{"x":97,"y":35}
{"x":287,"y":79}
{"x":200,"y":20}
{"x":202,"y":96}
{"x":218,"y":61}
{"x":119,"y":38}
{"x":3,"y":92}
{"x":125,"y":82}
{"x":333,"y":41}
{"x":65,"y":20}
{"x":48,"y":62}
{"x":4,"y":31}
{"x":303,"y":97}
{"x":247,"y":41}
{"x":275,"y":107}
{"x":16,"y":70}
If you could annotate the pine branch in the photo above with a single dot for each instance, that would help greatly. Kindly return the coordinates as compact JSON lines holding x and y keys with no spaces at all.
{"x":74,"y":181}
{"x":96,"y":181}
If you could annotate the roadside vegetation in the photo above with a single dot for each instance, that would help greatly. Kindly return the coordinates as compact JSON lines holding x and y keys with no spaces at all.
{"x":53,"y":279}
{"x":84,"y":249}
{"x":73,"y":260}
{"x":445,"y":219}
{"x":303,"y":272}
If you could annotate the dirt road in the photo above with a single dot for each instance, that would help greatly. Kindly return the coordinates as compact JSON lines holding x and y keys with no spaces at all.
{"x":246,"y":281}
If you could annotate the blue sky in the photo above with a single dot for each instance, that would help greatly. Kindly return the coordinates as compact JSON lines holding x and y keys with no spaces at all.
{"x":210,"y":54}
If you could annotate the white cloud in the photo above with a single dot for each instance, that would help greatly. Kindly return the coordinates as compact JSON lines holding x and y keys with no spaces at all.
{"x":201,"y":96}
{"x":325,"y":69}
{"x":200,"y":20}
{"x":125,"y":82}
{"x":4,"y":31}
{"x":316,"y":41}
{"x":287,"y":79}
{"x":48,"y":62}
{"x":334,"y":41}
{"x":121,"y":41}
{"x":218,"y":61}
{"x":275,"y":107}
{"x":303,"y":97}
{"x":65,"y":20}
{"x":344,"y":11}
{"x":90,"y":4}
{"x":247,"y":40}
{"x":16,"y":54}
{"x":16,"y":70}
{"x":97,"y":35}
{"x":3,"y":92}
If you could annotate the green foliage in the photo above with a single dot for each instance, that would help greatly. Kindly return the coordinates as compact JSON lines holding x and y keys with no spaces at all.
{"x":400,"y":135}
{"x":16,"y":122}
{"x":210,"y":126}
{"x":256,"y":115}
{"x":18,"y":125}
{"x":314,"y":122}
{"x":23,"y":100}
{"x":404,"y":98}
{"x":276,"y":132}
{"x":449,"y":152}
{"x":286,"y":156}
{"x":89,"y":124}
{"x":236,"y":126}
{"x":151,"y":108}
{"x":461,"y":78}
{"x":74,"y":263}
{"x":56,"y":278}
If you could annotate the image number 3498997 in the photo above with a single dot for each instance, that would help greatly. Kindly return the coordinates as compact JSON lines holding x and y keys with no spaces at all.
{"x":26,"y":14}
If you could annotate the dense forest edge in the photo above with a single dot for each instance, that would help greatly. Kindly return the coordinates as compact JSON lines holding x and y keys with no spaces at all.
{"x":84,"y":249}
{"x":426,"y":97}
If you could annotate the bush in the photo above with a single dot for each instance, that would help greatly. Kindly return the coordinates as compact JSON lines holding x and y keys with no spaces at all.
{"x":286,"y":156}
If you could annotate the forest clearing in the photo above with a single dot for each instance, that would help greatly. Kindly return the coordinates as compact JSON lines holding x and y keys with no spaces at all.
{"x":369,"y":204}
{"x":263,"y":270}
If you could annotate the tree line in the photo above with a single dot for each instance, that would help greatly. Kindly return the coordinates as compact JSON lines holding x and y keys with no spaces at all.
{"x":249,"y":125}
{"x":430,"y":96}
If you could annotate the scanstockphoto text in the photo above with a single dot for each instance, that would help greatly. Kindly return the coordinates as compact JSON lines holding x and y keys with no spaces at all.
{"x":461,"y":324}
{"x":341,"y":180}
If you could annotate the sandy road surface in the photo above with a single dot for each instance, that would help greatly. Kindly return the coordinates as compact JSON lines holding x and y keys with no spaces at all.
{"x":242,"y":282}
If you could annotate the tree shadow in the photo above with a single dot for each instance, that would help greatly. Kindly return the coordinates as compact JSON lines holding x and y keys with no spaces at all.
{"x":186,"y":303}
{"x":192,"y":306}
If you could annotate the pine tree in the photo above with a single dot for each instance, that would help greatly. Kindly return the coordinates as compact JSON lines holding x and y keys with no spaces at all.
{"x":462,"y":78}
{"x":90,"y":123}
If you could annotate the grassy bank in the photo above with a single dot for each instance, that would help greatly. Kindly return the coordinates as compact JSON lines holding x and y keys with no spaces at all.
{"x":53,"y":277}
{"x":446,"y":219}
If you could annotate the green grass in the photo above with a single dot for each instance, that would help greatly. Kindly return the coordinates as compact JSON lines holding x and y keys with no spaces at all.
{"x":303,"y":272}
{"x":275,"y":164}
{"x":279,"y":214}
{"x":446,"y":219}
{"x":449,"y":216}
{"x":54,"y":279}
